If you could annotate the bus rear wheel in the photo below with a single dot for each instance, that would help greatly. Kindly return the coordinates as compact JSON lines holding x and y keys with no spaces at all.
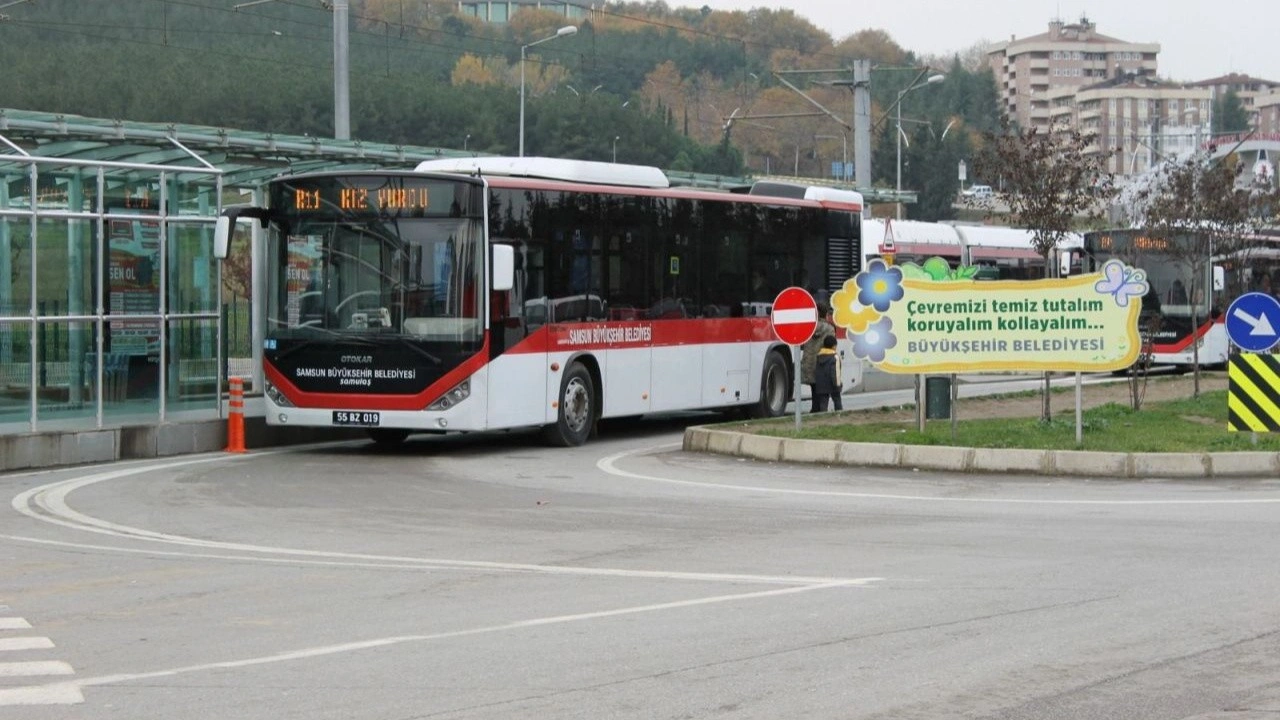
{"x":576,"y":416}
{"x":775,"y":388}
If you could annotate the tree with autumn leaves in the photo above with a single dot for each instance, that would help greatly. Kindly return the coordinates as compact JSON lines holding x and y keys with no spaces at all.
{"x":1050,"y":183}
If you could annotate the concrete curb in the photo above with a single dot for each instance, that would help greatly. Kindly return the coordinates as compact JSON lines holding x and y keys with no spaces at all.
{"x":1076,"y":463}
{"x":61,"y":449}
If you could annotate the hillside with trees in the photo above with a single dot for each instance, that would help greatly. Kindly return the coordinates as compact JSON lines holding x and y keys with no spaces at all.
{"x":680,"y":88}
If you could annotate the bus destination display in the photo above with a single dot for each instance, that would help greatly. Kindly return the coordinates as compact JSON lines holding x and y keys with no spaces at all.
{"x":403,"y":198}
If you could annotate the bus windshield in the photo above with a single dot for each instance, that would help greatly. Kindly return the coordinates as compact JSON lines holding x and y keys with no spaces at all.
{"x":419,"y":278}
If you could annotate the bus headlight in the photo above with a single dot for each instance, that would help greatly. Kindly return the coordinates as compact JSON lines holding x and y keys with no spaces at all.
{"x":276,"y":396}
{"x":456,"y":394}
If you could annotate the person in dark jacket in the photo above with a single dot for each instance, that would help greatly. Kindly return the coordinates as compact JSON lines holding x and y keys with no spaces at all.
{"x":826,"y":376}
{"x":810,"y":350}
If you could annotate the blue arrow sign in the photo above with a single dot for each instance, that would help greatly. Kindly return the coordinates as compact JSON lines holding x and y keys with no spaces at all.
{"x":1252,"y":319}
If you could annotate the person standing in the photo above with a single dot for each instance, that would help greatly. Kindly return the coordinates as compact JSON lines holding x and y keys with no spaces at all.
{"x":809,"y":352}
{"x":827,"y":377}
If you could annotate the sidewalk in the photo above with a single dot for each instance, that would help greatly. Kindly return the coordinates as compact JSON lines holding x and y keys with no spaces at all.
{"x":1075,"y":463}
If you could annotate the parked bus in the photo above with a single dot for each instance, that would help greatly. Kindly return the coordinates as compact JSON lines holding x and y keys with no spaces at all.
{"x":490,"y":293}
{"x":1003,"y":253}
{"x":1173,"y":299}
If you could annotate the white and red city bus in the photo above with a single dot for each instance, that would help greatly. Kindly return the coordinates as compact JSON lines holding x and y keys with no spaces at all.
{"x":492,"y":293}
{"x":1171,"y":298}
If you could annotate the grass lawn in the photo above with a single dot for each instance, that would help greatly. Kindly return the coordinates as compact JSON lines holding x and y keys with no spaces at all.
{"x":1189,"y":425}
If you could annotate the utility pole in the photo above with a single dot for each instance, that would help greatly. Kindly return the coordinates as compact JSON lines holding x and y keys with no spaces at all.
{"x":862,"y":123}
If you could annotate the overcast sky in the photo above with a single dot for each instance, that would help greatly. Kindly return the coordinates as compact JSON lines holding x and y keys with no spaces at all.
{"x":1198,"y":39}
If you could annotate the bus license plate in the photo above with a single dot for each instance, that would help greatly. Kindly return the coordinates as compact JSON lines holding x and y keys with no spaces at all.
{"x":356,"y":419}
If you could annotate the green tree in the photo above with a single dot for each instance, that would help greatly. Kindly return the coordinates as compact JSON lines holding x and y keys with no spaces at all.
{"x":1229,"y":115}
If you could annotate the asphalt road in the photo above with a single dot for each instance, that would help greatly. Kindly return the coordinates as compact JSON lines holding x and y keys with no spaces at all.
{"x":491,"y":577}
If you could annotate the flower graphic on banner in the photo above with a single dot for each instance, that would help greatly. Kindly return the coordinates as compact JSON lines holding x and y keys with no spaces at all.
{"x":873,"y":343}
{"x":879,"y":285}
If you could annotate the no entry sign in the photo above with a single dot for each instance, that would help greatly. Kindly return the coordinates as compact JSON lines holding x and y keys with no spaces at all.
{"x":795,"y":316}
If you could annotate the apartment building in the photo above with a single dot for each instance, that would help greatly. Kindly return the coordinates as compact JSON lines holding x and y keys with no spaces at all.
{"x":1268,"y":109}
{"x":1134,"y":120}
{"x":1070,"y":55}
{"x":500,"y":11}
{"x":1249,"y":89}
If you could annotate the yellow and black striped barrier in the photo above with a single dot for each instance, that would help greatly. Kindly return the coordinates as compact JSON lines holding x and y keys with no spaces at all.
{"x":1253,"y":393}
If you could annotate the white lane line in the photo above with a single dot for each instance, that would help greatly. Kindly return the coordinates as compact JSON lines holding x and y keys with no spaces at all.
{"x":35,"y":668}
{"x":53,"y":508}
{"x":324,"y":650}
{"x":609,"y":465}
{"x":14,"y":624}
{"x":25,"y":643}
{"x":62,"y":694}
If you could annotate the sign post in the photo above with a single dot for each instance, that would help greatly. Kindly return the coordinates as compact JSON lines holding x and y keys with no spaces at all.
{"x":794,"y":318}
{"x":1253,"y":387}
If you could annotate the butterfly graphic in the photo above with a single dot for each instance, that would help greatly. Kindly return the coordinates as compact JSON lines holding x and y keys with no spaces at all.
{"x":1122,"y":282}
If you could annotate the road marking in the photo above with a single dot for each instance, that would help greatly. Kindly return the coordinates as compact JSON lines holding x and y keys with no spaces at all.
{"x":61,"y":694}
{"x":40,"y":667}
{"x":609,"y":465}
{"x":14,"y":624}
{"x":48,"y":503}
{"x":324,"y":650}
{"x":25,"y":643}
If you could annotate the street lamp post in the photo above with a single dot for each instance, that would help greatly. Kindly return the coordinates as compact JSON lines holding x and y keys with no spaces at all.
{"x":615,"y":148}
{"x":566,"y":30}
{"x":341,"y":65}
{"x":933,"y":79}
{"x":466,"y":140}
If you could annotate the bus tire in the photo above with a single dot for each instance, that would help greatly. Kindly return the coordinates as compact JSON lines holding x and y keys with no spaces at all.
{"x":387,"y":437}
{"x":576,"y":414}
{"x":775,"y":388}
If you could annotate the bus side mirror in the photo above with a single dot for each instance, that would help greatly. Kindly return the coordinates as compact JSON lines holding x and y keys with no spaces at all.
{"x":222,"y":235}
{"x":1219,"y":279}
{"x":504,"y":267}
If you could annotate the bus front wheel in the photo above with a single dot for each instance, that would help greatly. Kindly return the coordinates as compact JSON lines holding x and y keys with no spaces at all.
{"x":576,"y":416}
{"x":775,"y":388}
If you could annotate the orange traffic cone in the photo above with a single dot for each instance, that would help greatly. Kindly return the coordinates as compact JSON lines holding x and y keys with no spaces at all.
{"x":235,"y":419}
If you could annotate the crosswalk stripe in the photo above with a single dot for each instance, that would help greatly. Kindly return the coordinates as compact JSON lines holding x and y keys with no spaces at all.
{"x":14,"y":624}
{"x":35,"y":668}
{"x":46,"y":695}
{"x":25,"y":643}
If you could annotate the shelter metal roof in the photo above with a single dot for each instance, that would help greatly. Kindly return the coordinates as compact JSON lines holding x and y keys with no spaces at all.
{"x":244,"y":158}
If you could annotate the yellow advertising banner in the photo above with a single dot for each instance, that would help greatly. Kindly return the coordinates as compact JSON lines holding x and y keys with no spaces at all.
{"x":906,"y":319}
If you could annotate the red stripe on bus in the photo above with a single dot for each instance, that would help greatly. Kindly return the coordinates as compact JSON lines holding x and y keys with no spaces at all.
{"x":364,"y":401}
{"x":1185,"y":342}
{"x":621,"y":335}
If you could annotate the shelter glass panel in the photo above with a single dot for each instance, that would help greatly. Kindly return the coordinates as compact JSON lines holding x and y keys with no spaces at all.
{"x":70,"y":188}
{"x":132,"y":192}
{"x":193,"y":270}
{"x":15,"y":266}
{"x":15,"y":377}
{"x":15,"y":186}
{"x":192,"y":195}
{"x":131,"y":374}
{"x":66,"y":267}
{"x":66,"y":374}
{"x":192,"y":374}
